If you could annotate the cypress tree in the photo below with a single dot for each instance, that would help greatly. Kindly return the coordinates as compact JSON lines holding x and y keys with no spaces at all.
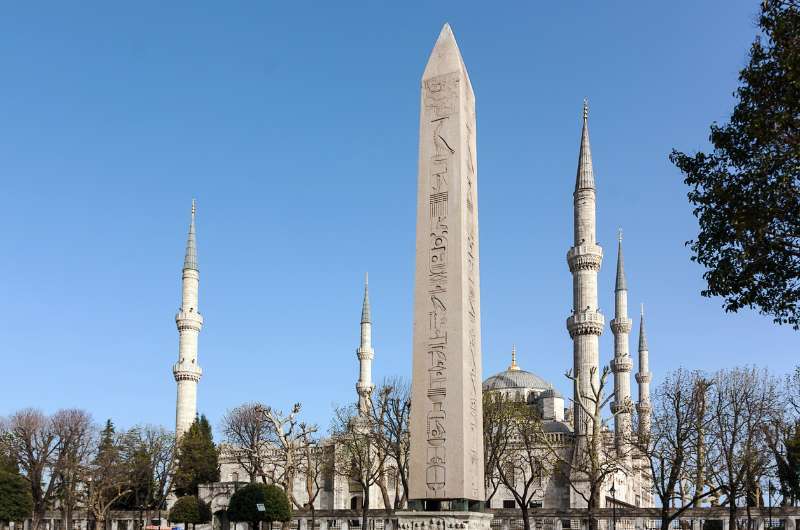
{"x":197,"y":459}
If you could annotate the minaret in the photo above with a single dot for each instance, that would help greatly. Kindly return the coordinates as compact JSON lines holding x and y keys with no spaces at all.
{"x":621,"y":364}
{"x":365,"y":355}
{"x":586,"y":323}
{"x":186,"y":371}
{"x":643,"y":378}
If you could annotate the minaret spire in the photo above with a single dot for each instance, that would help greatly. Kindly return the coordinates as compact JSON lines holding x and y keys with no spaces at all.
{"x":365,"y":354}
{"x":643,"y":378}
{"x":190,"y":261}
{"x":621,"y":365}
{"x":586,"y":323}
{"x":585,"y":177}
{"x":189,"y":321}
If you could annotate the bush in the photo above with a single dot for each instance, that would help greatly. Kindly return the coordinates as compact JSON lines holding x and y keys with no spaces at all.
{"x":243,"y":505}
{"x":190,"y":509}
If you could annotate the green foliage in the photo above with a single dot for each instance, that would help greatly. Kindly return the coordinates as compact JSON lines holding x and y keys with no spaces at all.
{"x":789,"y":468}
{"x":190,"y":509}
{"x":746,"y":193}
{"x":7,"y":462}
{"x":16,"y":503}
{"x":242,"y":506}
{"x":197,"y":459}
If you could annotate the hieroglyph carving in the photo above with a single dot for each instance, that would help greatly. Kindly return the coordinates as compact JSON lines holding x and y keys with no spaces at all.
{"x":441,"y":96}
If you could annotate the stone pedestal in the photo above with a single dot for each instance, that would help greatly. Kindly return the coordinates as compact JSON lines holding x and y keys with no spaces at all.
{"x":411,"y":520}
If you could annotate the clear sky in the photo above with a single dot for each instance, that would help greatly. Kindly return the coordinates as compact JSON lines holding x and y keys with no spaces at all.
{"x":295,"y":126}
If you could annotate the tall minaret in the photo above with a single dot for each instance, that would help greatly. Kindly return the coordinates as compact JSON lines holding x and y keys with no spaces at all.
{"x":586,"y":323}
{"x":643,"y":378}
{"x":621,"y":364}
{"x":187,"y":372}
{"x":365,"y":354}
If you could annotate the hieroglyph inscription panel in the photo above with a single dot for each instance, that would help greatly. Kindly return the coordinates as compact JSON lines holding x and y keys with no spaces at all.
{"x":446,"y":424}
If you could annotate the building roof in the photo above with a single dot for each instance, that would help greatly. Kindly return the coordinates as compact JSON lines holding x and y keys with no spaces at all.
{"x":515,"y":379}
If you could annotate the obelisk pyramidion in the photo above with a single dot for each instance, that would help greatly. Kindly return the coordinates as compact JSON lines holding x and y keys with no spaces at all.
{"x":446,"y":413}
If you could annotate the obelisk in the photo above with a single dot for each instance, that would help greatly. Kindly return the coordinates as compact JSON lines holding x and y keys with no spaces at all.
{"x":446,"y":464}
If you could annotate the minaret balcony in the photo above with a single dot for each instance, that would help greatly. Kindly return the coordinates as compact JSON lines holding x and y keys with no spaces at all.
{"x":586,"y":256}
{"x":643,"y":377}
{"x":623,"y":407}
{"x":621,"y":364}
{"x":186,"y":373}
{"x":621,"y":325}
{"x":643,"y":407}
{"x":188,"y":320}
{"x":365,"y":353}
{"x":589,"y":322}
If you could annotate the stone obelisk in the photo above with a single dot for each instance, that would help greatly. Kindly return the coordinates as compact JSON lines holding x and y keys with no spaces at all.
{"x":446,"y":464}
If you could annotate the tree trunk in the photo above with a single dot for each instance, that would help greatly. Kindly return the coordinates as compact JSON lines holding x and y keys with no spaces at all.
{"x":313,"y":516}
{"x":364,"y":508}
{"x":732,"y":514}
{"x":526,"y":520}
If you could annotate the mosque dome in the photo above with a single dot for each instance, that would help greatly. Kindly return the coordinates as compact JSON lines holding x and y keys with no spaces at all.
{"x":514,"y":378}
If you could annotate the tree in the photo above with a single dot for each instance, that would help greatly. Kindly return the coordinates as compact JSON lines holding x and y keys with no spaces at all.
{"x":16,"y":503}
{"x":389,"y":414}
{"x":594,"y":458}
{"x":247,"y":433}
{"x":149,"y":453}
{"x":742,"y":398}
{"x":108,"y":480}
{"x":357,"y":454}
{"x":287,"y":434}
{"x":746,"y":193}
{"x":313,"y":465}
{"x":520,"y":456}
{"x":243,"y":505}
{"x":41,"y":447}
{"x":495,"y":436}
{"x":77,"y":436}
{"x":197,"y":459}
{"x":675,"y":447}
{"x":190,"y":509}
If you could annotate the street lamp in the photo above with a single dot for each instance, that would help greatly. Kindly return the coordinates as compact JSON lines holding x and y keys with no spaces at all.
{"x":614,"y":505}
{"x":770,"y":491}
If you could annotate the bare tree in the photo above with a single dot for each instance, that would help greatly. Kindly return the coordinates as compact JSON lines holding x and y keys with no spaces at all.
{"x":521,"y":457}
{"x":674,"y":448}
{"x":247,"y":432}
{"x":495,"y":436}
{"x":34,"y":443}
{"x":741,"y":399}
{"x":594,"y":457}
{"x":357,"y":457}
{"x":312,"y":467}
{"x":287,"y":434}
{"x":389,"y":414}
{"x":76,"y":436}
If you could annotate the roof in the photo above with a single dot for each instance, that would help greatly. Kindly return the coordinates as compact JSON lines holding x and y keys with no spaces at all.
{"x":515,"y":379}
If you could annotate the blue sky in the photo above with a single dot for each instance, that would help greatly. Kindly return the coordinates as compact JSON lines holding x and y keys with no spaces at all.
{"x":295,"y":126}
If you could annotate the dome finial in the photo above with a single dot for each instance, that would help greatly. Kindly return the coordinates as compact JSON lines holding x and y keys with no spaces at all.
{"x":513,"y":366}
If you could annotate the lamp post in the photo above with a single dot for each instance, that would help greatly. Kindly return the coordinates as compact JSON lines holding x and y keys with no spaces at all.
{"x":614,"y":506}
{"x":770,"y":491}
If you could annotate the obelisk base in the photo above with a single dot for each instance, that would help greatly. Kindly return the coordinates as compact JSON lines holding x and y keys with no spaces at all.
{"x":411,"y":520}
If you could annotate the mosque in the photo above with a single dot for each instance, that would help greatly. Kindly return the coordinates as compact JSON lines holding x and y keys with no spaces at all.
{"x":631,"y":483}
